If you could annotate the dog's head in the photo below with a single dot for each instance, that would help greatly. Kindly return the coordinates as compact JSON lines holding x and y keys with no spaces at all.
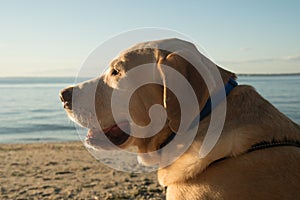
{"x":115,"y":119}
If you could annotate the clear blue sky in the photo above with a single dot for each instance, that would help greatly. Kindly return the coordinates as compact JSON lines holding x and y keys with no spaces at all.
{"x":53,"y":38}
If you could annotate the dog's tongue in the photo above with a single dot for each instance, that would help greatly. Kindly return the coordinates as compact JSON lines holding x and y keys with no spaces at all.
{"x":115,"y":130}
{"x":114,"y":134}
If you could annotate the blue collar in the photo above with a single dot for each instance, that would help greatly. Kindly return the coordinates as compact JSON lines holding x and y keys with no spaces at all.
{"x":207,"y":109}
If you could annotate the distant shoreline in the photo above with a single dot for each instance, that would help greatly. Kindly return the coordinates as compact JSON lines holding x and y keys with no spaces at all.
{"x":271,"y":74}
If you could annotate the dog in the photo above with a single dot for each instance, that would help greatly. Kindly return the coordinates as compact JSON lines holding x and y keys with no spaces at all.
{"x":256,"y":156}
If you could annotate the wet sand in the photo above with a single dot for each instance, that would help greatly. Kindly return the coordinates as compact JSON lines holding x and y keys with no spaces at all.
{"x":67,"y":171}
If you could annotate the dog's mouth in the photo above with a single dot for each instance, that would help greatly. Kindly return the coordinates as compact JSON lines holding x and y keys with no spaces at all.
{"x":116,"y":134}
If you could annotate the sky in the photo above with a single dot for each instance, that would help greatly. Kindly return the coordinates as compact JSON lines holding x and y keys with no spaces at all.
{"x":53,"y":38}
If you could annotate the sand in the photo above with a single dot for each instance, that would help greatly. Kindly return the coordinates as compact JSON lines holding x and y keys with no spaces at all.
{"x":67,"y":171}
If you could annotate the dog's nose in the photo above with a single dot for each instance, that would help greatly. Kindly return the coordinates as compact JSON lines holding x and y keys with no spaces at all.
{"x":66,"y":97}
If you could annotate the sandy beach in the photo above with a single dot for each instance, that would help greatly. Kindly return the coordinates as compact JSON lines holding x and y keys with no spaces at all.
{"x":67,"y":171}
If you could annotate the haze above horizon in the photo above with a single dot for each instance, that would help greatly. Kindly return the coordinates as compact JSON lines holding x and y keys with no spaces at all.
{"x":53,"y":38}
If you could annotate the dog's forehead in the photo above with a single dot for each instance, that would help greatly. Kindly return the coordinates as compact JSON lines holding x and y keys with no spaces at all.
{"x":148,"y":50}
{"x":171,"y":45}
{"x":117,"y":62}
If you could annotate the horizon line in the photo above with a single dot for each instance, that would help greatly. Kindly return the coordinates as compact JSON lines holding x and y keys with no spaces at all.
{"x":238,"y":74}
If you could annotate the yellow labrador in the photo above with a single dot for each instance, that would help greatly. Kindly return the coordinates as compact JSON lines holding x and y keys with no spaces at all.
{"x":257,"y":155}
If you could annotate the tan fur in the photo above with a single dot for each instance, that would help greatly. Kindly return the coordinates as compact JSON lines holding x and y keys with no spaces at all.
{"x":272,"y":173}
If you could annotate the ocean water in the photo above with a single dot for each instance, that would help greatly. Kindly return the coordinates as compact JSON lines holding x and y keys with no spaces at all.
{"x":32,"y":112}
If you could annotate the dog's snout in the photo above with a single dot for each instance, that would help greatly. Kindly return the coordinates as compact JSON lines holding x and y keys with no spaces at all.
{"x":66,"y":94}
{"x":66,"y":97}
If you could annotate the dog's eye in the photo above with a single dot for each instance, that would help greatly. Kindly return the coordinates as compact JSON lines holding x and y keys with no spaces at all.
{"x":115,"y":72}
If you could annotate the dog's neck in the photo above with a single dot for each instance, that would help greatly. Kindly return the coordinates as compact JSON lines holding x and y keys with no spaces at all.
{"x":208,"y":107}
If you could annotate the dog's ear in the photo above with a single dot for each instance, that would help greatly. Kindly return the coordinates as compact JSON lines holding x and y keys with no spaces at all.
{"x":194,"y":76}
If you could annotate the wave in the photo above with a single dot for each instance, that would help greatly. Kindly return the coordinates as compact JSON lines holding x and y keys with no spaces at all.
{"x":43,"y":110}
{"x":41,"y":80}
{"x":43,"y":139}
{"x":35,"y":128}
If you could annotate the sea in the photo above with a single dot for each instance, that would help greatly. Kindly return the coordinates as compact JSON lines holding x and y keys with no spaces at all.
{"x":31,"y":110}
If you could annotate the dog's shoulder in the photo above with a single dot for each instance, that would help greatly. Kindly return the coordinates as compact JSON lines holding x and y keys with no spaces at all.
{"x":249,"y":176}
